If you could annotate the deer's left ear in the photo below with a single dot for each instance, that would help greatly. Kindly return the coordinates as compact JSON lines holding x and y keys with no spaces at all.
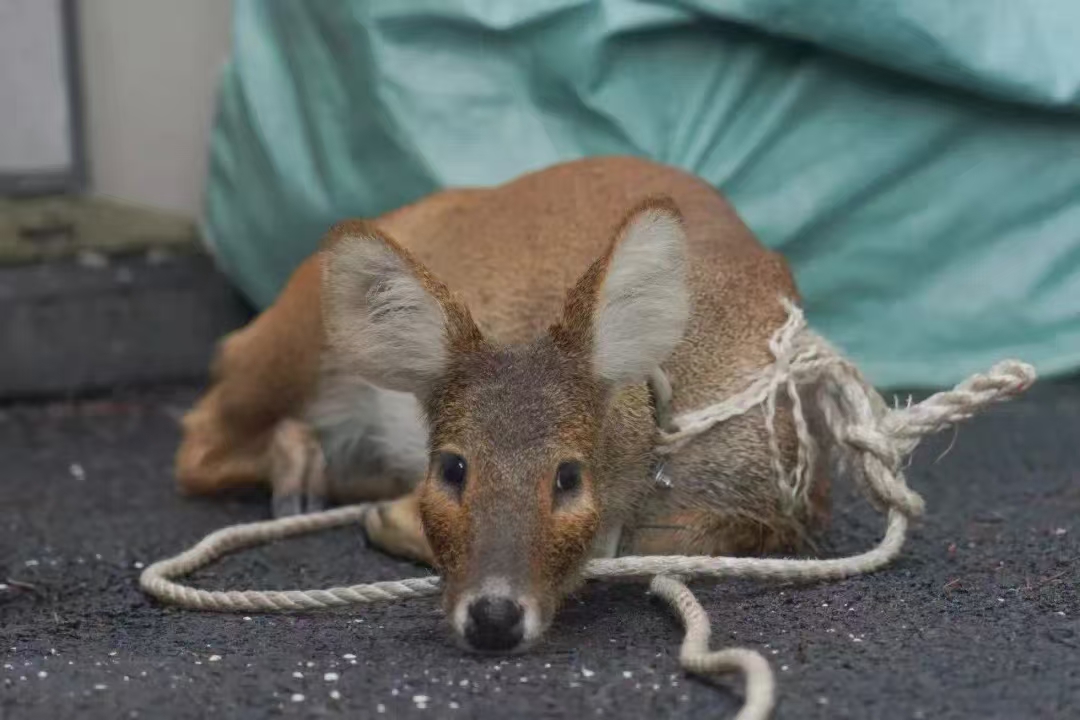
{"x":632,"y":306}
{"x":386,"y":317}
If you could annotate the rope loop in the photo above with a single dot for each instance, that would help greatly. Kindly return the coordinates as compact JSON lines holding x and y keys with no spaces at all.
{"x":858,"y":428}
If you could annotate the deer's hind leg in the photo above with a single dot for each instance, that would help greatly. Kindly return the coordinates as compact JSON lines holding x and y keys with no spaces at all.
{"x":263,"y":375}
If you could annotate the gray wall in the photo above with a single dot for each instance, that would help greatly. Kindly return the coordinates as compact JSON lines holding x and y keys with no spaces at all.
{"x":149,"y":71}
{"x":34,"y":131}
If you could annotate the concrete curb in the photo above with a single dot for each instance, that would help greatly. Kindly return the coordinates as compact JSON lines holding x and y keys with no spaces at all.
{"x":79,"y":326}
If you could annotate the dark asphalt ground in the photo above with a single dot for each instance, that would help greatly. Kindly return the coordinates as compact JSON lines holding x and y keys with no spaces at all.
{"x":980,"y":619}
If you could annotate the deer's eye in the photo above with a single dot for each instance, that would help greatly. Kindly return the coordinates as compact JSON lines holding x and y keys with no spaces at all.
{"x":567,"y":477}
{"x":452,"y":469}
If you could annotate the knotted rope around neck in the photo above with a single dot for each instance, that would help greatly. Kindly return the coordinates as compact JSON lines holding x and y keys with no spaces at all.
{"x":869,"y":440}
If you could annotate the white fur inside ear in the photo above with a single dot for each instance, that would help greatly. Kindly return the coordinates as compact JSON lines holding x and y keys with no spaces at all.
{"x":379,"y":318}
{"x":644,"y":303}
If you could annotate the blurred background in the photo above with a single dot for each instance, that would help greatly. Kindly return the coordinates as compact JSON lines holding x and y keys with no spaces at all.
{"x":164,"y":166}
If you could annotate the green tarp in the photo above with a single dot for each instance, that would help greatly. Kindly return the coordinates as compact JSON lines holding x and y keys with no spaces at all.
{"x":917,"y":162}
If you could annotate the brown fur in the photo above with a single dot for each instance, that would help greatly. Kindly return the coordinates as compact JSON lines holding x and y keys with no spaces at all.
{"x":517,"y":269}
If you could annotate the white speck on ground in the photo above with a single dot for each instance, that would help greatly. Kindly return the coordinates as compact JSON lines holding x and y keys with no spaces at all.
{"x":310,"y":664}
{"x":784,"y":668}
{"x":247,"y":618}
{"x":101,"y":686}
{"x":139,"y":565}
{"x":42,"y":674}
{"x":297,"y":697}
{"x":627,"y":674}
{"x":92,"y":259}
{"x":823,"y":700}
{"x":32,"y":563}
{"x":349,"y":656}
{"x":335,"y":695}
{"x":214,"y":658}
{"x":113,"y":653}
{"x":1060,"y":531}
{"x":380,"y":708}
{"x":297,"y":674}
{"x":585,"y":672}
{"x":454,"y":705}
{"x":4,"y":586}
{"x":330,"y":677}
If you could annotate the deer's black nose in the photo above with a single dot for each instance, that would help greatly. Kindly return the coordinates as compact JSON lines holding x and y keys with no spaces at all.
{"x":494,"y":623}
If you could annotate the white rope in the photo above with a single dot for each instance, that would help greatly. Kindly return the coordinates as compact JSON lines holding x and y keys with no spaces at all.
{"x":156,"y":579}
{"x":696,"y":657}
{"x":869,"y":439}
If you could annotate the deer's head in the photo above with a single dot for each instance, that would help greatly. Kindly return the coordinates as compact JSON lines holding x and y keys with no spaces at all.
{"x":531,"y":445}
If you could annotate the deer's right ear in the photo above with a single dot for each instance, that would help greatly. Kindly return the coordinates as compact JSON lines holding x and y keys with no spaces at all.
{"x":386,"y":317}
{"x":629,"y":310}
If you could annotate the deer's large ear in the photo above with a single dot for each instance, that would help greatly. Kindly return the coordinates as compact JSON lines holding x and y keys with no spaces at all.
{"x":630,"y":308}
{"x":386,"y":317}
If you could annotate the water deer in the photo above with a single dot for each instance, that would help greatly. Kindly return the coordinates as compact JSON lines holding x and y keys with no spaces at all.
{"x":478,"y":363}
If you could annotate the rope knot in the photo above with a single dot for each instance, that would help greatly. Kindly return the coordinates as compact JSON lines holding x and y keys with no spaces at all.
{"x":873,"y":441}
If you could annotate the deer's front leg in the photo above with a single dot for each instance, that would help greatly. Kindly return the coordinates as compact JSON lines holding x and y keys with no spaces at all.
{"x":394,"y":527}
{"x":297,"y":470}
